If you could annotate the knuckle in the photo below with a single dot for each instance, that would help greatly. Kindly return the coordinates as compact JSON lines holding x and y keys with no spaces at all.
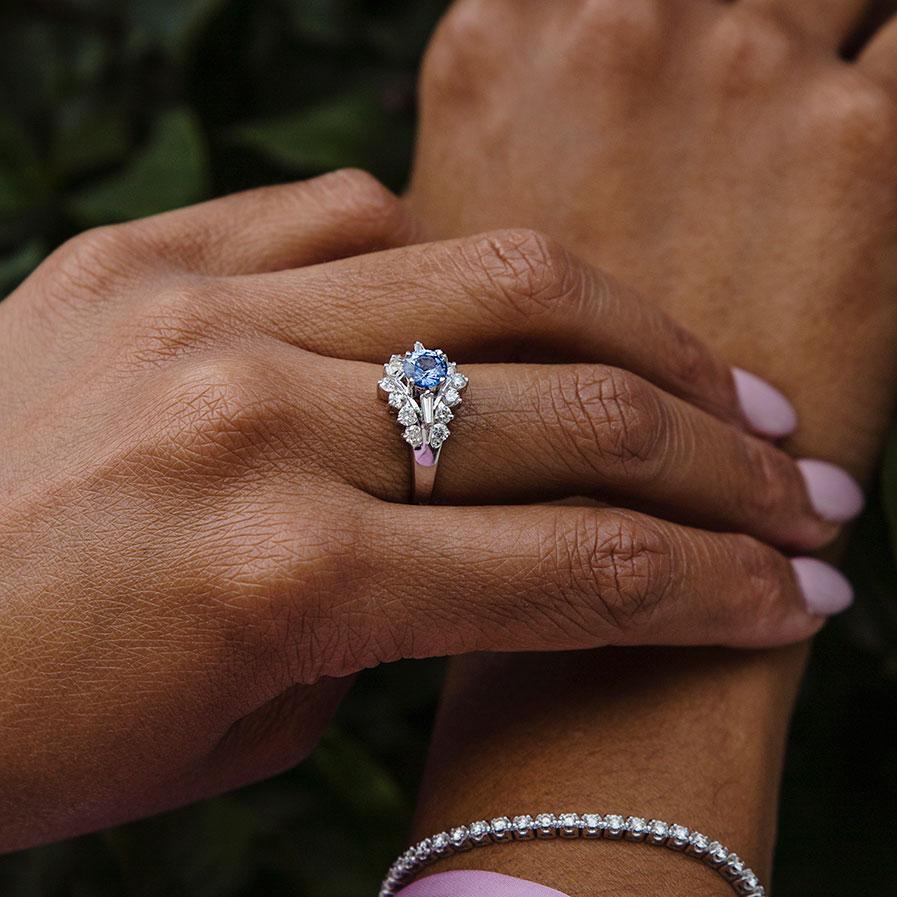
{"x":624,"y":566}
{"x":749,"y":48}
{"x":94,"y":261}
{"x":368,"y":207}
{"x":854,"y":112}
{"x":462,"y":52}
{"x":218,"y":415}
{"x":623,"y":28}
{"x":524,"y":271}
{"x":177,"y":319}
{"x":610,"y":417}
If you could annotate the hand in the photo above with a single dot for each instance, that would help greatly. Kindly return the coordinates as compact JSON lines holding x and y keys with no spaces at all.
{"x":203,"y":509}
{"x":721,"y":157}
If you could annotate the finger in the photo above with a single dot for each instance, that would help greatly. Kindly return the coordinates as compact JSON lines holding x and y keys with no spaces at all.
{"x":879,"y":58}
{"x":284,"y":226}
{"x":540,"y":578}
{"x":537,"y":432}
{"x":504,"y":295}
{"x":828,"y":21}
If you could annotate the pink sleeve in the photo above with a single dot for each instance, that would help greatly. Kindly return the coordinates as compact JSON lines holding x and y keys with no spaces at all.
{"x":475,"y":884}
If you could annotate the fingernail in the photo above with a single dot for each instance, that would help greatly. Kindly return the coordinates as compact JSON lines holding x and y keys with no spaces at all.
{"x":834,"y":493}
{"x":767,"y":411}
{"x":826,"y":591}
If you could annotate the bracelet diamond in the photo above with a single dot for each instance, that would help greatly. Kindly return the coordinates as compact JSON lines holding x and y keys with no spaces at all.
{"x":612,"y":826}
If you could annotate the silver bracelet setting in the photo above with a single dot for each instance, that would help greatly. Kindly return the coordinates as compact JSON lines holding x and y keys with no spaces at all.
{"x":503,"y":829}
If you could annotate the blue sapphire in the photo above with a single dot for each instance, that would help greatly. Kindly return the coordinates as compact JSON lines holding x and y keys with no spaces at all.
{"x":425,"y":369}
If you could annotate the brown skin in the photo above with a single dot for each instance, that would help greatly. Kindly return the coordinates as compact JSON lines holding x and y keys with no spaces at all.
{"x":725,"y":160}
{"x":200,"y":543}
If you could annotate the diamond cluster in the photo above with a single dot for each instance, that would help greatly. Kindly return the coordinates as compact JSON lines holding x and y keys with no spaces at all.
{"x":423,"y":387}
{"x":526,"y":827}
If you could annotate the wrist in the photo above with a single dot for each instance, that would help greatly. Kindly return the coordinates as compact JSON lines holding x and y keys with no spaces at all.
{"x":689,"y":735}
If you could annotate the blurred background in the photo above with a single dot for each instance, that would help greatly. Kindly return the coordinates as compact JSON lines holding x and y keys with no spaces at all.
{"x":114,"y":109}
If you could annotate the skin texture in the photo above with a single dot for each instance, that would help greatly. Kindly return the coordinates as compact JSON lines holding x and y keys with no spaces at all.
{"x":723,"y":158}
{"x":200,"y":544}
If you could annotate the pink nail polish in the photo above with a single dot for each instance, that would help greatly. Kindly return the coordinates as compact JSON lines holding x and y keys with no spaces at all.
{"x":834,"y":493}
{"x":767,"y":411}
{"x":826,"y":591}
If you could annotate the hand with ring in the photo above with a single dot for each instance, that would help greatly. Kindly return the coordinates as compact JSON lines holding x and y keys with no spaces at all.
{"x":206,"y":523}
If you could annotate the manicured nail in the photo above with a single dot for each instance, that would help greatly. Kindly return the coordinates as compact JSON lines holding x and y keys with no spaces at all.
{"x":825,"y":590}
{"x":834,"y":493}
{"x":767,"y":411}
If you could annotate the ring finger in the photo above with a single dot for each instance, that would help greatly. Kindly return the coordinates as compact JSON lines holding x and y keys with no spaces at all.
{"x":540,"y":432}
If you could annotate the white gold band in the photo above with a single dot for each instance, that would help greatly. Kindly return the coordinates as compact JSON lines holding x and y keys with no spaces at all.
{"x":503,"y":829}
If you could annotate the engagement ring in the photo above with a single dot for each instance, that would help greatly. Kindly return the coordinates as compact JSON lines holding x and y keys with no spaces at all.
{"x":423,"y":387}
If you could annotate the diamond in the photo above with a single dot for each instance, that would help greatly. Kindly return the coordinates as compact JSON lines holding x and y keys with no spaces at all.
{"x":443,"y":414}
{"x":459,"y":381}
{"x":438,"y":434}
{"x":734,"y":866}
{"x":546,"y":825}
{"x":441,"y":842}
{"x":407,"y":415}
{"x":717,"y":854}
{"x":593,"y":825}
{"x":658,"y":831}
{"x":478,"y":830}
{"x":414,"y":436}
{"x":397,"y":399}
{"x":613,"y":826}
{"x":636,"y":828}
{"x":748,"y":880}
{"x":451,"y":397}
{"x":698,"y":844}
{"x":459,"y":836}
{"x":501,"y":828}
{"x":425,"y":368}
{"x":395,"y":366}
{"x":389,"y":384}
{"x":568,"y":824}
{"x":523,"y":827}
{"x":678,"y":836}
{"x":423,"y":850}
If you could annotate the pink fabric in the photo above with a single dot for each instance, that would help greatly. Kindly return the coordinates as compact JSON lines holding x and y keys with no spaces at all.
{"x":475,"y":884}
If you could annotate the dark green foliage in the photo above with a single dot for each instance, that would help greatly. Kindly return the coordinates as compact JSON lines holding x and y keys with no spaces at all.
{"x":113,"y":109}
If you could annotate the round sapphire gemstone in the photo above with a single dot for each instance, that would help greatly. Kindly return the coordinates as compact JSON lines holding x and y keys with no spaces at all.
{"x":425,"y":369}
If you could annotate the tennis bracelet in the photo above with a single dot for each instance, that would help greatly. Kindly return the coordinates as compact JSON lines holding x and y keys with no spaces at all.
{"x":573,"y":825}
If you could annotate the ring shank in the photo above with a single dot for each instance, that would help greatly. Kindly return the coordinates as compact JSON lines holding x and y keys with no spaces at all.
{"x":424,"y":462}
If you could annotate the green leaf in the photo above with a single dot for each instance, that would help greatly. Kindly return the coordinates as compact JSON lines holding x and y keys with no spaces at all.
{"x":338,"y":134}
{"x":173,"y":23}
{"x":354,"y":775}
{"x":324,"y":21}
{"x":171,"y":171}
{"x":89,"y":140}
{"x":23,"y":176}
{"x":16,"y":267}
